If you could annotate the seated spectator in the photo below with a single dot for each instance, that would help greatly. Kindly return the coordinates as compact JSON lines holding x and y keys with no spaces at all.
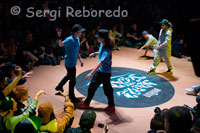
{"x":30,"y":44}
{"x":8,"y":108}
{"x":29,"y":49}
{"x":6,"y":89}
{"x":3,"y":53}
{"x":3,"y":81}
{"x":29,"y":125}
{"x":116,"y":35}
{"x":86,"y":123}
{"x":58,"y":51}
{"x":9,"y":70}
{"x":153,"y":32}
{"x":12,"y":50}
{"x":196,"y":127}
{"x":20,"y":94}
{"x":178,"y":120}
{"x":52,"y":124}
{"x":179,"y":48}
{"x":195,"y":90}
{"x":157,"y":122}
{"x":25,"y":59}
{"x":84,"y":47}
{"x":92,"y":41}
{"x":49,"y":56}
{"x":133,"y":37}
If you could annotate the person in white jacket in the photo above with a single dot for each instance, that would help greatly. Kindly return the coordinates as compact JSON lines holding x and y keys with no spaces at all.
{"x":164,"y":47}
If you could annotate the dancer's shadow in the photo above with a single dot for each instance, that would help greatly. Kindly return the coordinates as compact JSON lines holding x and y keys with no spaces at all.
{"x":146,"y":57}
{"x":149,"y":58}
{"x":168,"y":76}
{"x":117,"y":118}
{"x":114,"y":118}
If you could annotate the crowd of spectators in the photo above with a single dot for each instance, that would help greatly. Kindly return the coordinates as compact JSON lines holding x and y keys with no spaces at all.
{"x":178,"y":119}
{"x":33,"y":41}
{"x":29,"y":42}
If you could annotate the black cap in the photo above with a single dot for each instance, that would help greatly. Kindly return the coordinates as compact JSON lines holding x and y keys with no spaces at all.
{"x":102,"y":33}
{"x":77,"y":28}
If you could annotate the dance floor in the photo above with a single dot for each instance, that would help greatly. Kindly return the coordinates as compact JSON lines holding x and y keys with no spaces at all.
{"x":169,"y":90}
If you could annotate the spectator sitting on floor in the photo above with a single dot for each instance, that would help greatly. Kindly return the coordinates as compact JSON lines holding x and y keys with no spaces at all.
{"x":84,"y":46}
{"x":12,"y":50}
{"x":86,"y":123}
{"x":178,"y":120}
{"x":153,"y":32}
{"x":157,"y":122}
{"x":20,"y":94}
{"x":9,"y":70}
{"x":3,"y":53}
{"x":9,"y":106}
{"x":133,"y":37}
{"x":116,"y":35}
{"x":30,"y":45}
{"x":195,"y":90}
{"x":27,"y":51}
{"x":52,"y":124}
{"x":92,"y":41}
{"x":49,"y":56}
{"x":5,"y":88}
{"x":58,"y":51}
{"x":25,"y":59}
{"x":179,"y":48}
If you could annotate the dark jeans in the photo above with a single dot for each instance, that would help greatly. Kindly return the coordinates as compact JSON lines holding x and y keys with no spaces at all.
{"x":197,"y":88}
{"x":97,"y":79}
{"x":71,"y":76}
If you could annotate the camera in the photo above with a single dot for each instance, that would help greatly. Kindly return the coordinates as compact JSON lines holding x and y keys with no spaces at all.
{"x":100,"y":125}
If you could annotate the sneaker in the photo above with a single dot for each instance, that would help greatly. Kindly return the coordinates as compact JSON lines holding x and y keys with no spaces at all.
{"x":110,"y":109}
{"x":191,"y":91}
{"x":82,"y":105}
{"x":152,"y":71}
{"x":75,"y":100}
{"x":169,"y":71}
{"x":117,"y":48}
{"x":59,"y":89}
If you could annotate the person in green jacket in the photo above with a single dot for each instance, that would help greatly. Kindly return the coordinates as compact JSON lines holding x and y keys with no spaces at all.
{"x":9,"y":106}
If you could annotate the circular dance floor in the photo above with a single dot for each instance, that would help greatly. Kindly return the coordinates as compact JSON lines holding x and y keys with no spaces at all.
{"x":133,"y":88}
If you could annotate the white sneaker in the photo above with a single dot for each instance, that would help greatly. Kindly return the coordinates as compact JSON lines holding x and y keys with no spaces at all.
{"x":189,"y":89}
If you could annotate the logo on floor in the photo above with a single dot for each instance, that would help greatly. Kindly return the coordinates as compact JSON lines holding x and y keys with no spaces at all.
{"x":132,"y":88}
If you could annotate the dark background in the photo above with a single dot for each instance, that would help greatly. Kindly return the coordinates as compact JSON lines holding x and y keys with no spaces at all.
{"x":144,"y":13}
